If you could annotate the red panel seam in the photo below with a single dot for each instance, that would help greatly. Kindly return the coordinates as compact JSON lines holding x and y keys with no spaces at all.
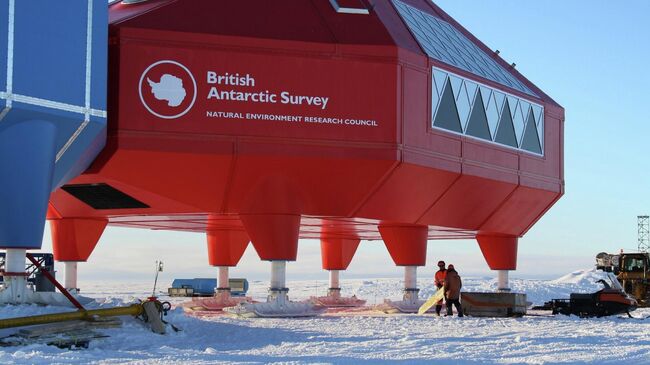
{"x":326,"y":25}
{"x":400,"y":159}
{"x":506,"y":198}
{"x":538,"y":217}
{"x":231,"y":176}
{"x":460,"y":174}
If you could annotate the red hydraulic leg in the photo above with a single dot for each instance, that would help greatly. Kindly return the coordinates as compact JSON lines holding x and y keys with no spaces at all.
{"x":275,"y":238}
{"x":336,"y":254}
{"x":73,"y":240}
{"x":500,"y":252}
{"x":225,"y":249}
{"x":407,"y":245}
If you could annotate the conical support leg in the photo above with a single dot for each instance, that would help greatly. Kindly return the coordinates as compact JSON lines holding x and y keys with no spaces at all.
{"x":336,"y":255}
{"x":275,"y":238}
{"x":500,"y":253}
{"x":407,"y":245}
{"x":225,"y":249}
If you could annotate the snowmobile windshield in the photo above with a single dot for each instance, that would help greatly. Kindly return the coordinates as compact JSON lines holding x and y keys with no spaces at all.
{"x":614,"y":281}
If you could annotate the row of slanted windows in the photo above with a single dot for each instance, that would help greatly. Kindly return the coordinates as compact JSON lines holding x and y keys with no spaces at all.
{"x":465,"y":107}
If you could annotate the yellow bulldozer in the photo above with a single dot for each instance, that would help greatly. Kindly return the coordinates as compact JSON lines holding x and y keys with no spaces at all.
{"x":632,"y":270}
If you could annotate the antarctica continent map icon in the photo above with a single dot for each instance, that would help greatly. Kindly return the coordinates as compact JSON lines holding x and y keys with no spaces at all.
{"x":167,"y":89}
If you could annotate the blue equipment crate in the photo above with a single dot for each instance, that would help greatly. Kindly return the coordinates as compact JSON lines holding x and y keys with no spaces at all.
{"x":206,"y":286}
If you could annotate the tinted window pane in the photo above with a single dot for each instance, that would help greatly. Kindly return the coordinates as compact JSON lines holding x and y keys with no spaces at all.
{"x":505,"y":131}
{"x":531,"y":142}
{"x":447,"y":116}
{"x":478,"y":125}
{"x":464,"y":103}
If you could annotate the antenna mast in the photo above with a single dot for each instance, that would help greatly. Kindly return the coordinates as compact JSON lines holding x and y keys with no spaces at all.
{"x":644,"y":233}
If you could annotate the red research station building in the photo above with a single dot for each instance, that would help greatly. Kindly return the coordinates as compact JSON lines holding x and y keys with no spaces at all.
{"x":271,"y":121}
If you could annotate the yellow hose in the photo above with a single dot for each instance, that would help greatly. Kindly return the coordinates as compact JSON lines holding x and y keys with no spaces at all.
{"x":133,"y":310}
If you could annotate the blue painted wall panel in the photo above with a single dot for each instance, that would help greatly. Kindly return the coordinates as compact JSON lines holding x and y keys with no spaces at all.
{"x":66,"y":122}
{"x":99,"y":55}
{"x":81,"y":153}
{"x":26,"y":154}
{"x":4,"y":19}
{"x":50,"y":50}
{"x":50,"y":64}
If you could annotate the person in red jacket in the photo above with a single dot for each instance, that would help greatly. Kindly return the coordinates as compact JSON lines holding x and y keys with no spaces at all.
{"x":452,"y":287}
{"x":439,"y":282}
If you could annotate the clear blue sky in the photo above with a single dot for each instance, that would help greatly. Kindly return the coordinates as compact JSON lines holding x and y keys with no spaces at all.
{"x":592,"y":57}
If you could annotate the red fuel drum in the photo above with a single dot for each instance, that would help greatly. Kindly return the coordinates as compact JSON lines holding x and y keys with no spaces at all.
{"x":288,"y":118}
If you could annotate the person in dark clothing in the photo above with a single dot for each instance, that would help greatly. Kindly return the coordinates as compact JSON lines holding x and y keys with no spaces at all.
{"x":452,"y":287}
{"x":439,"y":282}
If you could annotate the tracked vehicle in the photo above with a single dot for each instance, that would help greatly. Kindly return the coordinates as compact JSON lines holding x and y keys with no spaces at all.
{"x":610,"y":300}
{"x":632,"y":270}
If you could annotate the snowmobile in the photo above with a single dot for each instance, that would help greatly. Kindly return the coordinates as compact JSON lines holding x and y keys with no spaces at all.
{"x":610,"y":300}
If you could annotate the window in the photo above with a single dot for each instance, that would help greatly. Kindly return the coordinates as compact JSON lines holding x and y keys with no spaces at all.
{"x":466,"y":107}
{"x":349,"y":7}
{"x":632,"y":264}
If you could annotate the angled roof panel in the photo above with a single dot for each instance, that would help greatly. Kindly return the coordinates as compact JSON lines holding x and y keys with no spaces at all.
{"x":443,"y":42}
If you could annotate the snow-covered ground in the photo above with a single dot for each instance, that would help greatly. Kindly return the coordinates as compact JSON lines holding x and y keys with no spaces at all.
{"x":376,"y":338}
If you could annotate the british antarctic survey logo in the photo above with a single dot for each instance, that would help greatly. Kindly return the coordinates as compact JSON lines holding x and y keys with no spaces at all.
{"x":167,"y":89}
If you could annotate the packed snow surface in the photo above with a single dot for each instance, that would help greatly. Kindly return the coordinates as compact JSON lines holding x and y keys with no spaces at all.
{"x":356,"y":339}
